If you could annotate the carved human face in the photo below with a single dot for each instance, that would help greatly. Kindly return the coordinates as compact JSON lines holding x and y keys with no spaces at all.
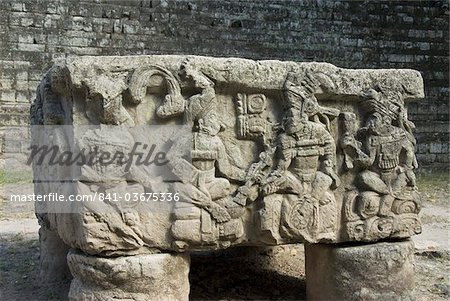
{"x":295,"y":120}
{"x":310,"y":105}
{"x":374,"y":123}
{"x":211,"y":123}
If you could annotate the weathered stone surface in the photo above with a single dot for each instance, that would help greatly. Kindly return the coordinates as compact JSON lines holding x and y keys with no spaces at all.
{"x":379,"y":271}
{"x":140,"y":277}
{"x":265,"y":153}
{"x":249,"y":153}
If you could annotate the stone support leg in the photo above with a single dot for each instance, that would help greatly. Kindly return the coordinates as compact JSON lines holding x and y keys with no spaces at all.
{"x":140,"y":277}
{"x":378,"y":271}
{"x":53,"y":264}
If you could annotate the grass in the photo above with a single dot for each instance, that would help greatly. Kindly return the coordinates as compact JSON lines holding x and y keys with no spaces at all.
{"x":15,"y":182}
{"x":16,"y":177}
{"x":435,"y":187}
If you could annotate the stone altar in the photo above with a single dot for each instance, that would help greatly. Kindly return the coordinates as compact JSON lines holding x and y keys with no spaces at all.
{"x":255,"y":153}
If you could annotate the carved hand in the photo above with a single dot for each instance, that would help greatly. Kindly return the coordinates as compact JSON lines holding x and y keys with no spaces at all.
{"x":289,"y":153}
{"x":350,"y":142}
{"x":219,"y":213}
{"x":270,"y":188}
{"x":274,"y":185}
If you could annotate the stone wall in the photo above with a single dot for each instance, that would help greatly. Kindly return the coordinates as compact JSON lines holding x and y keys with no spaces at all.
{"x":350,"y":34}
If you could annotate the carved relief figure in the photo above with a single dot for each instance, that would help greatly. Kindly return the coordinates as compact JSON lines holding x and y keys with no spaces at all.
{"x":218,"y":215}
{"x":305,"y":169}
{"x":119,"y":218}
{"x":384,"y":153}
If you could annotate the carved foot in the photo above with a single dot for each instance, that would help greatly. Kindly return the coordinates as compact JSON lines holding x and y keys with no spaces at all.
{"x":380,"y":271}
{"x":140,"y":277}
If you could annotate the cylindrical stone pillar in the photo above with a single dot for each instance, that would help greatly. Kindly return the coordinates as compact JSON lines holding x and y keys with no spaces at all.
{"x":377,"y":271}
{"x":139,"y":277}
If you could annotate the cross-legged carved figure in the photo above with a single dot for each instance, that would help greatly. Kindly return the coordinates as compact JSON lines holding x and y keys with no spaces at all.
{"x":306,"y":158}
{"x":384,"y":200}
{"x":305,"y":172}
{"x":210,"y":194}
{"x":386,"y":153}
{"x":207,"y":154}
{"x":383,"y":157}
{"x":305,"y":169}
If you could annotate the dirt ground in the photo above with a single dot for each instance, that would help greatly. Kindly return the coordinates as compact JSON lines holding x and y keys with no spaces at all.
{"x":240,"y":274}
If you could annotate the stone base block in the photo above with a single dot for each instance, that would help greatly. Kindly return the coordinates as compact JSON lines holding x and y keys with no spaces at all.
{"x":379,"y":271}
{"x":139,"y":277}
{"x":53,"y":265}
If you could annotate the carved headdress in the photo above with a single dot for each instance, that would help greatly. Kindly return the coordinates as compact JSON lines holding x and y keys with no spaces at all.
{"x":202,"y":103}
{"x":299,"y":94}
{"x":299,"y":90}
{"x":377,"y":102}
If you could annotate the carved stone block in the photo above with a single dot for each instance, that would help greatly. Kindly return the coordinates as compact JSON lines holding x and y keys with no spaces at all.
{"x":139,"y":277}
{"x":381,"y":271}
{"x":253,"y":153}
